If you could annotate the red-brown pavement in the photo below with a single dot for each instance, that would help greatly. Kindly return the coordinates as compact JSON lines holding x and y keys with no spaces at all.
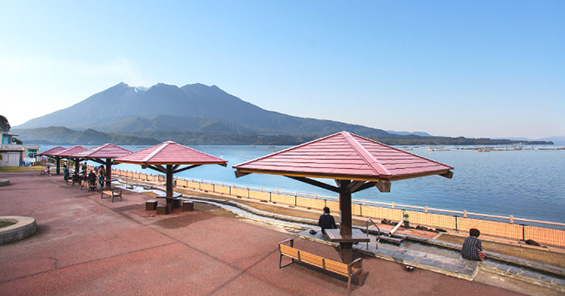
{"x":85,"y":245}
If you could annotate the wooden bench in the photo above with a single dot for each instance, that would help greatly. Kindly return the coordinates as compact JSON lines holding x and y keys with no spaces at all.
{"x":112,"y":193}
{"x":355,"y":268}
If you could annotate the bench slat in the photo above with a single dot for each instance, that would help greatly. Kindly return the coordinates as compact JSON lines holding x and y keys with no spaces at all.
{"x":289,"y":251}
{"x":312,"y":259}
{"x":337,"y":267}
{"x":347,"y":270}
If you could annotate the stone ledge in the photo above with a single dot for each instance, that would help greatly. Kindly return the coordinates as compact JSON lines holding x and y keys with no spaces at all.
{"x":23,"y":227}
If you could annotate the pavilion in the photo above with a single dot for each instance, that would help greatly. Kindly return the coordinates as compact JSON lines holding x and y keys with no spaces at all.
{"x":68,"y":154}
{"x":167,"y":158}
{"x":355,"y":163}
{"x":52,"y":153}
{"x":104,"y":155}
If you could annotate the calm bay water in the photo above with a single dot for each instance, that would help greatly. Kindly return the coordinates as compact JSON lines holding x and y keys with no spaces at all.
{"x":527,"y":183}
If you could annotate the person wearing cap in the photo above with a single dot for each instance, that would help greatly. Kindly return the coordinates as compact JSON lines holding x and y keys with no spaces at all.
{"x":326,"y":220}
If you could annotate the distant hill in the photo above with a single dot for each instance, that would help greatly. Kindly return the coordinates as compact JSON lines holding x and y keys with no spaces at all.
{"x":556,"y":140}
{"x":196,"y":114}
{"x":65,"y":136}
{"x":403,"y":133}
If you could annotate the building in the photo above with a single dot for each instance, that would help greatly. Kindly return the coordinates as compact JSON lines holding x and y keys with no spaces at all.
{"x":13,"y":154}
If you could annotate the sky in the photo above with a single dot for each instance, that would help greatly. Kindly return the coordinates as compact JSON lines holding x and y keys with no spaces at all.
{"x":449,"y":68}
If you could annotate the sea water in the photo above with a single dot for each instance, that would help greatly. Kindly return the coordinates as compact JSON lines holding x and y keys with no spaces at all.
{"x":527,"y":184}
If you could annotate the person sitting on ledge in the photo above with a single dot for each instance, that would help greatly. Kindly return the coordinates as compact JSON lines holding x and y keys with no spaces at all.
{"x":326,"y":220}
{"x":472,"y":245}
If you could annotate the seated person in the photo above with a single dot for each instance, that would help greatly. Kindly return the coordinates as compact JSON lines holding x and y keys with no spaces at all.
{"x":92,"y":179}
{"x":326,"y":220}
{"x":472,"y":245}
{"x":47,"y":172}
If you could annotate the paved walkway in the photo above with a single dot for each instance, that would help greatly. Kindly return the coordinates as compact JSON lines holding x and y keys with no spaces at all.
{"x":85,"y":245}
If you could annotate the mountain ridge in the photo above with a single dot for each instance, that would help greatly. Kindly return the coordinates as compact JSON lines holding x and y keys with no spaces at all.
{"x":204,"y":112}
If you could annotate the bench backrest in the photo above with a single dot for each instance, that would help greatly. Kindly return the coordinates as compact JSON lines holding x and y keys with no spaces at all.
{"x":315,"y":260}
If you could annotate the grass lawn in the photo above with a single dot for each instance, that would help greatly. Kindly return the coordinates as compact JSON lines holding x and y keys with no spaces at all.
{"x":5,"y":224}
{"x":22,"y":169}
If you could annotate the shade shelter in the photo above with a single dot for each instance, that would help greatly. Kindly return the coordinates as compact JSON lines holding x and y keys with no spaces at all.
{"x":355,"y":163}
{"x":68,"y":153}
{"x":104,"y":155}
{"x":52,"y":153}
{"x":170,"y":158}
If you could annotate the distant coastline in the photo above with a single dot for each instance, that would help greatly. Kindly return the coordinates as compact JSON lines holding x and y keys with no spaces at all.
{"x":66,"y":136}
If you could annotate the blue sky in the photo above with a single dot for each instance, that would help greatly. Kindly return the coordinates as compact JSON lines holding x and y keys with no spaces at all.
{"x":449,"y":68}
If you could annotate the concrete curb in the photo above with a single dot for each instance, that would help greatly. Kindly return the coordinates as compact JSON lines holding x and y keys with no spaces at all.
{"x":23,"y":227}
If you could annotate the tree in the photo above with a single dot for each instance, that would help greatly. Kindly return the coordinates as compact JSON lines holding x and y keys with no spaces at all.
{"x":4,"y":124}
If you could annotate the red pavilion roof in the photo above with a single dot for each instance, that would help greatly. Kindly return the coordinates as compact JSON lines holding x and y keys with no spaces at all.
{"x":53,"y":151}
{"x":170,"y":153}
{"x":70,"y":151}
{"x":345,"y":156}
{"x":103,"y":151}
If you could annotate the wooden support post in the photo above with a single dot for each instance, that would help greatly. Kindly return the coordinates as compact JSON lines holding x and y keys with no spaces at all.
{"x":169,"y":181}
{"x":346,"y":249}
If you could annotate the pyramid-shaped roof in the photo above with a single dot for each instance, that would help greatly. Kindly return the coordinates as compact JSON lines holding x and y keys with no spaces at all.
{"x":52,"y":152}
{"x":170,"y":153}
{"x":104,"y":151}
{"x":345,"y":156}
{"x":70,"y":151}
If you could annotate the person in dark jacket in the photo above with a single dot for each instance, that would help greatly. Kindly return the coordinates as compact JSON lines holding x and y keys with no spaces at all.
{"x":326,"y":220}
{"x":65,"y":173}
{"x":92,"y":178}
{"x":472,"y":245}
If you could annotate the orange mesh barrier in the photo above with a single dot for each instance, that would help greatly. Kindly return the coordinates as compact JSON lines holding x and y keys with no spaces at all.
{"x":356,"y":209}
{"x":282,"y":198}
{"x":431,"y":219}
{"x":258,"y":195}
{"x":193,"y":185}
{"x":239,"y":192}
{"x":207,"y":187}
{"x":222,"y":189}
{"x":543,"y":235}
{"x":333,"y":205}
{"x":312,"y":203}
{"x":182,"y":183}
{"x":501,"y":229}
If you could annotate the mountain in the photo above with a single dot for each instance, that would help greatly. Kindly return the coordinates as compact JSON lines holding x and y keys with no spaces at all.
{"x":63,"y":135}
{"x":403,"y":133}
{"x":193,"y":107}
{"x":556,"y":140}
{"x":197,"y":114}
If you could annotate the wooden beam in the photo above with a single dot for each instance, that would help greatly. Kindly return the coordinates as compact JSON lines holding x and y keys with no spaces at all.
{"x":239,"y":173}
{"x":383,"y":185}
{"x":157,"y":168}
{"x":363,"y":186}
{"x":315,"y":183}
{"x":184,"y":169}
{"x":97,"y":160}
{"x":448,"y":174}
